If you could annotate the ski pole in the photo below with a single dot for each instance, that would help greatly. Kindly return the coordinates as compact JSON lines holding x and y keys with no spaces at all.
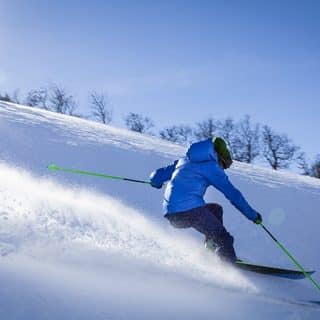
{"x":101,"y":175}
{"x":307,"y":275}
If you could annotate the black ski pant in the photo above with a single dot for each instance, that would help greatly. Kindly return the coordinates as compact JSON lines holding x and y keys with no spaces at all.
{"x":207,"y":220}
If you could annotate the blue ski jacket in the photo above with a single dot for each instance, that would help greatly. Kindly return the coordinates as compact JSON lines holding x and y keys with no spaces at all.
{"x":189,"y":178}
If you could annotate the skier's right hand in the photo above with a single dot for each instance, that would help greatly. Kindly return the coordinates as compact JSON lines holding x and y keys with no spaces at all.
{"x":258,"y":219}
{"x":155,"y":179}
{"x":157,"y":186}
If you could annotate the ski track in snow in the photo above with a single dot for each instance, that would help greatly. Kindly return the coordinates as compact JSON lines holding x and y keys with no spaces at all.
{"x":79,"y":131}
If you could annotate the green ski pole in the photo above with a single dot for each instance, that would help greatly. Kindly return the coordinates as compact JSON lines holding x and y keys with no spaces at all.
{"x":307,"y":275}
{"x":101,"y":175}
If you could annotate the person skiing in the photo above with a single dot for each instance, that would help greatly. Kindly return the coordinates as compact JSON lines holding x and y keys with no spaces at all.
{"x":189,"y":177}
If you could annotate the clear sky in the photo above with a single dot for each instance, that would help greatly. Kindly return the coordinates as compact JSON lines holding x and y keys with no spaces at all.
{"x":177,"y":62}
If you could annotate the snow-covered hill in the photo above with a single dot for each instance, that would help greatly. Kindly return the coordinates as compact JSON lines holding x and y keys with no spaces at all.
{"x":78,"y":247}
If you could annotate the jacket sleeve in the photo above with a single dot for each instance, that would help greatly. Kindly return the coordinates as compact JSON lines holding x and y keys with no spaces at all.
{"x":161,"y":175}
{"x":220,"y":181}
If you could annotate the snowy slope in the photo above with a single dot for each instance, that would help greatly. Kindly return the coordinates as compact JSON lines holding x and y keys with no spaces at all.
{"x":79,"y":247}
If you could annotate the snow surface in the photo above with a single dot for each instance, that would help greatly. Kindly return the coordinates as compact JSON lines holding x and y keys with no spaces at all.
{"x":79,"y":247}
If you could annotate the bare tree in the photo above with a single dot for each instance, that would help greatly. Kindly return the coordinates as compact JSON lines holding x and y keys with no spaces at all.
{"x":226,"y":129}
{"x":13,"y":98}
{"x":246,"y":141}
{"x":206,"y":129}
{"x":315,"y":168}
{"x":61,"y":101}
{"x":5,"y":97}
{"x":181,"y":134}
{"x":138,"y":123}
{"x":312,"y":169}
{"x":212,"y":127}
{"x":303,"y":164}
{"x":278,"y":149}
{"x":101,"y":109}
{"x":37,"y":98}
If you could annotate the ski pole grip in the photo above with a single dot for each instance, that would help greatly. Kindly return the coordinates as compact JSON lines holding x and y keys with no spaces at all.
{"x":52,"y":167}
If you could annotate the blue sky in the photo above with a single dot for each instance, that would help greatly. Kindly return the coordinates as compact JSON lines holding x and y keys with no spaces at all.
{"x":177,"y":62}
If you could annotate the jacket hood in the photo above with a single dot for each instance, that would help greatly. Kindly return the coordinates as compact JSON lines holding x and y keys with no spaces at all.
{"x":202,"y":151}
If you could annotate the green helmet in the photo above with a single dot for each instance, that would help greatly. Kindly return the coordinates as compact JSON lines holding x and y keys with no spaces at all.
{"x":224,"y":154}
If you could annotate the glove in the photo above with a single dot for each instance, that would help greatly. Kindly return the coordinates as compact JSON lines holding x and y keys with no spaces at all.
{"x":157,"y":186}
{"x":155,"y":179}
{"x":258,"y":219}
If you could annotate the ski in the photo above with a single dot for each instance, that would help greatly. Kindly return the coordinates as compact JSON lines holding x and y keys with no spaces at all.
{"x":273,"y":271}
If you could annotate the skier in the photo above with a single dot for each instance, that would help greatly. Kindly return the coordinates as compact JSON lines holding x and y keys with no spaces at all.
{"x":189,"y":177}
